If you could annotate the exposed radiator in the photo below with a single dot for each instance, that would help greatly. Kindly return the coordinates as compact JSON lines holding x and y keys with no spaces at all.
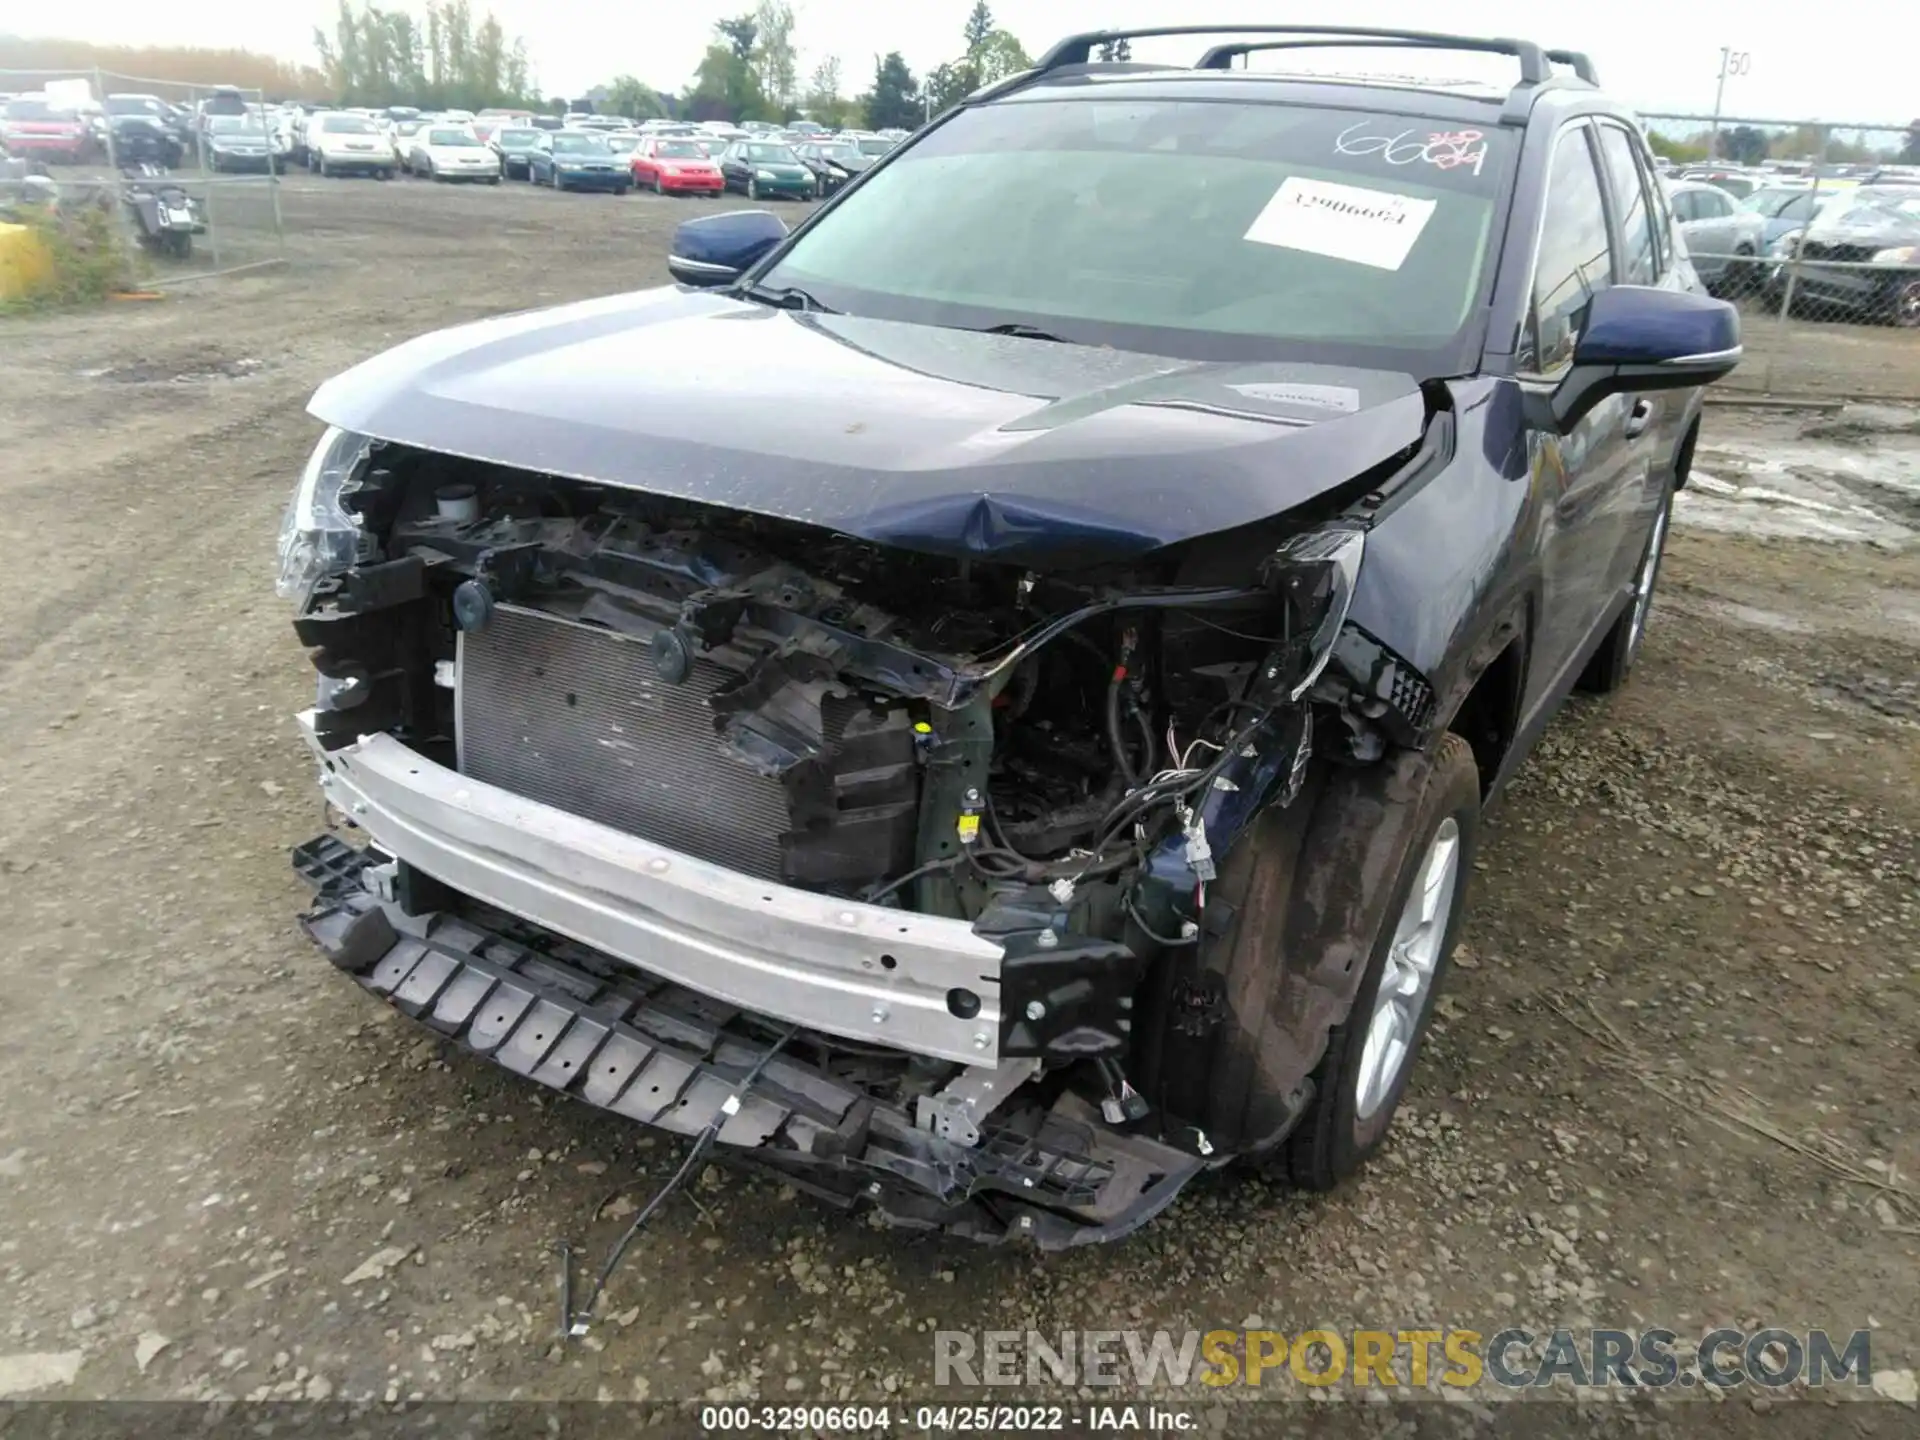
{"x":577,"y":717}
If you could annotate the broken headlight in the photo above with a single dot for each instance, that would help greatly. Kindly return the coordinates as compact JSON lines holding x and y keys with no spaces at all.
{"x":1315,"y":575}
{"x":319,"y":536}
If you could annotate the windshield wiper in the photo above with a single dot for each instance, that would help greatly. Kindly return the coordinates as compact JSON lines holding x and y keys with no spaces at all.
{"x":787,"y":297}
{"x":1023,"y":331}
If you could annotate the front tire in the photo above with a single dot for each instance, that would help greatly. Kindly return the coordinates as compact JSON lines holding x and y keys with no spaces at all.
{"x":324,"y":172}
{"x":1903,"y":304}
{"x":753,"y":189}
{"x":1370,"y":1055}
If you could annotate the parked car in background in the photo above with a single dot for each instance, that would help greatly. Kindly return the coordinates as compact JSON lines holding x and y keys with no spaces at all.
{"x":578,"y":160}
{"x":32,"y":127}
{"x":240,"y":143}
{"x":1724,"y":241}
{"x":451,"y":153}
{"x":343,"y":144}
{"x":1736,"y":183}
{"x":833,"y":162}
{"x":515,"y":144}
{"x":145,"y":129}
{"x":673,"y":165}
{"x":621,"y":142}
{"x":171,"y":119}
{"x":1860,"y":254}
{"x":763,"y":170}
{"x":1784,"y":209}
{"x":400,"y":137}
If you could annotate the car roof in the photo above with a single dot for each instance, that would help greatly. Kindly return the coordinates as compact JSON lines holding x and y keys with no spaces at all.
{"x":1464,"y":101}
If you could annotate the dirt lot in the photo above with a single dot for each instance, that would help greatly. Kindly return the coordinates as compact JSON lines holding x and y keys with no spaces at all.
{"x":1676,"y":1081}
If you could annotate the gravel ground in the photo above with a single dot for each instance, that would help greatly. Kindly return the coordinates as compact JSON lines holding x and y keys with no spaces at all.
{"x":1675,"y":1079}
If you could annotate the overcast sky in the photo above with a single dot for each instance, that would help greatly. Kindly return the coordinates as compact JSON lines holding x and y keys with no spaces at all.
{"x":1655,"y":54}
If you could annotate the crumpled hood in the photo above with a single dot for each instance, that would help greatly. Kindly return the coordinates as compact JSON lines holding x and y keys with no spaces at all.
{"x":939,"y":440}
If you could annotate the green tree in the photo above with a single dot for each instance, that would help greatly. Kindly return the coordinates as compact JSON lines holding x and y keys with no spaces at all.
{"x":1681,"y":152}
{"x":1910,"y":147}
{"x":979,"y":26}
{"x":1116,"y":50}
{"x":631,"y":98}
{"x":1744,"y":145}
{"x":739,"y":33}
{"x":998,"y":56}
{"x":725,"y":86}
{"x":823,"y":101}
{"x":386,"y":57}
{"x":775,"y":64}
{"x":894,"y":101}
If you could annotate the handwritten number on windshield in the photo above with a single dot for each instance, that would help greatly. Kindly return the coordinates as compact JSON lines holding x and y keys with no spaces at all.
{"x":1442,"y":149}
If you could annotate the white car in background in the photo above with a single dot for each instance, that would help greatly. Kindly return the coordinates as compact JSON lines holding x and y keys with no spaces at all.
{"x":453,"y":152}
{"x":343,"y":144}
{"x":400,"y":137}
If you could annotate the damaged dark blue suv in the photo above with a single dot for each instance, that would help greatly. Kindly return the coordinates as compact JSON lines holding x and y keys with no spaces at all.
{"x":982,"y":705}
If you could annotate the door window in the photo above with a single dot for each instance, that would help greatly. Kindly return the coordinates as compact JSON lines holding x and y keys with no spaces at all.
{"x":1575,"y":260}
{"x":1637,"y":259}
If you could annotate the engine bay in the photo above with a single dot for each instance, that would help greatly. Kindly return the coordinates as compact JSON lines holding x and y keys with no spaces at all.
{"x":1060,"y":760}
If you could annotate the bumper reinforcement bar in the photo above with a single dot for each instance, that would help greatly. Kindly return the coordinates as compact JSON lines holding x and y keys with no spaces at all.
{"x":617,"y":1038}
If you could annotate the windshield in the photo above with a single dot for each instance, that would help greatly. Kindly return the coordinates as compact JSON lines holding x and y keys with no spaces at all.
{"x":1178,"y":227}
{"x":348,"y":125}
{"x":622,"y":144}
{"x":1774,"y":203}
{"x":454,"y":139}
{"x":768,"y":154}
{"x":580,"y":145}
{"x":33,"y":110}
{"x":678,"y":150}
{"x":133,"y":105}
{"x":1871,"y":204}
{"x":878,"y":145}
{"x":236,"y":125}
{"x":837,"y":152}
{"x":516,"y":139}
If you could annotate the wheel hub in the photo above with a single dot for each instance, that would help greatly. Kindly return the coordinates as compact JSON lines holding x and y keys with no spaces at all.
{"x":1412,"y":959}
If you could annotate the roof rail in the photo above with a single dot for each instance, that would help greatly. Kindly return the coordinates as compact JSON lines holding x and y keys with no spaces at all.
{"x":1221,"y":57}
{"x":1078,"y":49}
{"x":1582,"y":66}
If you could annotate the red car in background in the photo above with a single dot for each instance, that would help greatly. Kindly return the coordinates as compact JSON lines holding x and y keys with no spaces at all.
{"x":670,"y":165}
{"x":32,"y":125}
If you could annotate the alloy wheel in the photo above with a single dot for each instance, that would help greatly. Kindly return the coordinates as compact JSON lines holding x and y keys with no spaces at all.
{"x":1407,"y":979}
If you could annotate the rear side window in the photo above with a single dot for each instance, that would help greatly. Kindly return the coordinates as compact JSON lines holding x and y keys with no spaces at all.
{"x":1575,"y":259}
{"x":1638,"y":264}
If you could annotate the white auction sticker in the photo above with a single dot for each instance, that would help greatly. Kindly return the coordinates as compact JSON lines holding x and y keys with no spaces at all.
{"x":1368,"y":227}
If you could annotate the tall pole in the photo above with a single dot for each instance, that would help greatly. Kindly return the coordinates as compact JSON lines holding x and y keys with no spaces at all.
{"x":1719,"y":93}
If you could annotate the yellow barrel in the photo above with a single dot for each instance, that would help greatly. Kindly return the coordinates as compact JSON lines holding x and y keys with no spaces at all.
{"x":25,"y":264}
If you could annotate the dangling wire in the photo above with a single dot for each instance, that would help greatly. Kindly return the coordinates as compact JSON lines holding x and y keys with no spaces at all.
{"x":575,"y":1322}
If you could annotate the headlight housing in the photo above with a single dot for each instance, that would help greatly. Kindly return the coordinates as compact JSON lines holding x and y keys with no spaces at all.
{"x":1898,"y":255}
{"x":319,"y":536}
{"x":764,"y":175}
{"x":1315,"y":574}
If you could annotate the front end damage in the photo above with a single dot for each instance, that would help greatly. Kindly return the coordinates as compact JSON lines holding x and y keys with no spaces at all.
{"x":638,"y":785}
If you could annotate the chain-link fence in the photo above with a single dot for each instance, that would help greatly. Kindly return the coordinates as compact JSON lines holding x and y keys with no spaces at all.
{"x":1813,"y":229}
{"x":192,"y":170}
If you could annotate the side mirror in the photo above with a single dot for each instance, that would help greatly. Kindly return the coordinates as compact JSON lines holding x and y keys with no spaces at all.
{"x":716,"y":249}
{"x":1642,"y":338}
